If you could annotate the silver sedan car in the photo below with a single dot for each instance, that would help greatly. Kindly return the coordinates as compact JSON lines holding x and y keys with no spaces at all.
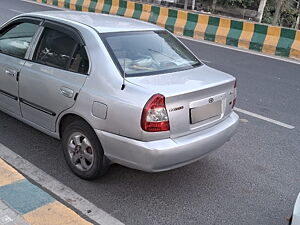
{"x":114,"y":90}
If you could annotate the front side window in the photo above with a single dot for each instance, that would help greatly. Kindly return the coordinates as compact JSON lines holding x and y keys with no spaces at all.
{"x":16,"y":39}
{"x":148,"y":52}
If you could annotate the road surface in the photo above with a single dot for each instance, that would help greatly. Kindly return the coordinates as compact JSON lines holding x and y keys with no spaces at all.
{"x":253,"y":179}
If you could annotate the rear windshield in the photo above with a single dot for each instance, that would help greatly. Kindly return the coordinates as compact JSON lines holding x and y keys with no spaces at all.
{"x":148,"y":53}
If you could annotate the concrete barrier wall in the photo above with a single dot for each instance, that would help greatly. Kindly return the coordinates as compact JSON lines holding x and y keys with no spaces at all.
{"x":242,"y":34}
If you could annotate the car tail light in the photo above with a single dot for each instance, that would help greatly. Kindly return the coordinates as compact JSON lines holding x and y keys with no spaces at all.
{"x":155,"y":117}
{"x":235,"y":94}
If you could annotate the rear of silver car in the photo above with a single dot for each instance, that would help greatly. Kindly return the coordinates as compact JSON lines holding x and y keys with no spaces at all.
{"x":199,"y":106}
{"x":181,"y":109}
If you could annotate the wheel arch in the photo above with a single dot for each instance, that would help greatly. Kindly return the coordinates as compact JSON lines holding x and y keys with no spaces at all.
{"x":66,"y":119}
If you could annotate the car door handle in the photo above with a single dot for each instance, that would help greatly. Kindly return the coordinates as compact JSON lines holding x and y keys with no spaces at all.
{"x":11,"y":73}
{"x":67,"y":92}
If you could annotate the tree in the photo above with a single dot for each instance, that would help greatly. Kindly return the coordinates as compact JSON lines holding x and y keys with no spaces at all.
{"x":260,"y":10}
{"x":214,"y":4}
{"x":186,"y":4}
{"x":298,"y":17}
{"x":277,"y":12}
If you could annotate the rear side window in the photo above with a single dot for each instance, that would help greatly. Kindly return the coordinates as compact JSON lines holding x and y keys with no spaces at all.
{"x":60,"y":50}
{"x":80,"y":61}
{"x":15,"y":39}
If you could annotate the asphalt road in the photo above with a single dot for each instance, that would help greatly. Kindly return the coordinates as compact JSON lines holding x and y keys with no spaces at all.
{"x":253,"y":179}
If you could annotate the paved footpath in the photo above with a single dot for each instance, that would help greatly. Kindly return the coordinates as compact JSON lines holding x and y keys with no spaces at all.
{"x":22,"y":203}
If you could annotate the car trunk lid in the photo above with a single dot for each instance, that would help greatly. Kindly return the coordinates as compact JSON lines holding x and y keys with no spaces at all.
{"x":195,"y":98}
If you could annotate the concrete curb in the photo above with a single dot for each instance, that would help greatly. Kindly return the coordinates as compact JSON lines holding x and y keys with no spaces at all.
{"x":53,"y":186}
{"x":242,"y":34}
{"x":31,"y":204}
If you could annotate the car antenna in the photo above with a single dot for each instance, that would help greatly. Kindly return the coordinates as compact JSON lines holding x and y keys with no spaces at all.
{"x":124,"y":75}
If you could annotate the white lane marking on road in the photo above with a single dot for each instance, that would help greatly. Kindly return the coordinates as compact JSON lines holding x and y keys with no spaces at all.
{"x":44,"y":4}
{"x":17,"y":11}
{"x":62,"y":191}
{"x":241,"y":50}
{"x":264,"y":118}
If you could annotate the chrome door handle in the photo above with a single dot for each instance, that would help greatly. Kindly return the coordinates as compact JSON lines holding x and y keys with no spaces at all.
{"x":67,"y":92}
{"x":11,"y":73}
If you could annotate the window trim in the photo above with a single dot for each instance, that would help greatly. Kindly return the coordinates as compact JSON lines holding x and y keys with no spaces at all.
{"x":37,"y":21}
{"x":52,"y":25}
{"x":68,"y":30}
{"x":24,"y":18}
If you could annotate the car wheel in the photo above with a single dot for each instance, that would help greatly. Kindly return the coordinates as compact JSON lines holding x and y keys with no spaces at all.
{"x":291,"y":220}
{"x":83,"y":151}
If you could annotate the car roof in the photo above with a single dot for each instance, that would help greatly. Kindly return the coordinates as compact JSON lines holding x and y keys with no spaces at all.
{"x":103,"y":23}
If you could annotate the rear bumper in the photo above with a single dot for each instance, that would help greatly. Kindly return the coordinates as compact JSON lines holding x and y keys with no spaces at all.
{"x":166,"y":154}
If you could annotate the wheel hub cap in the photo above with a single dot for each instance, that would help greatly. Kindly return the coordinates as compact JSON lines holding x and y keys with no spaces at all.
{"x":80,"y":151}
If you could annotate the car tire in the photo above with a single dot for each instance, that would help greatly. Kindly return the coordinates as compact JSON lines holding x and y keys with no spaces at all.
{"x":291,"y":220}
{"x":83,"y":151}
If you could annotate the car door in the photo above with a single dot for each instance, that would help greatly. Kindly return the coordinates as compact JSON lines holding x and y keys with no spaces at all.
{"x":50,"y":82}
{"x":15,"y":41}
